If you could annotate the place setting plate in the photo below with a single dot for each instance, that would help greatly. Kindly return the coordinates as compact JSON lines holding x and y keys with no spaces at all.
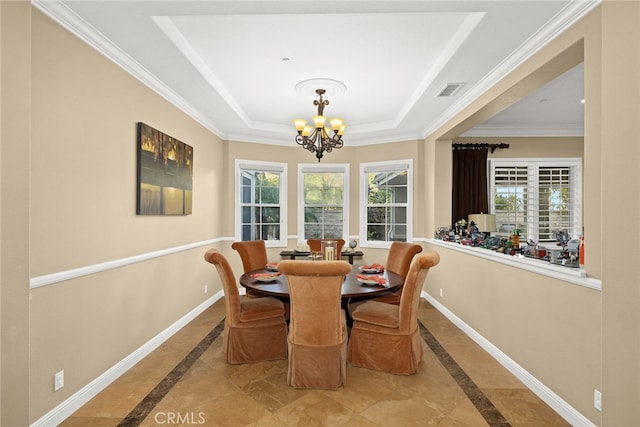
{"x":272,"y":267}
{"x":370,"y":269}
{"x":368,"y":282}
{"x":266,"y":278}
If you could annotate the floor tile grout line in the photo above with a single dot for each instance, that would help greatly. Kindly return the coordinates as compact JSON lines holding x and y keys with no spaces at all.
{"x":142,"y":410}
{"x":482,"y":403}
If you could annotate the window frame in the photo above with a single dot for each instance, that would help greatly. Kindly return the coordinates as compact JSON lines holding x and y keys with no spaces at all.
{"x":385,"y":166}
{"x":318,"y":168}
{"x":262,"y":166}
{"x":575,"y":166}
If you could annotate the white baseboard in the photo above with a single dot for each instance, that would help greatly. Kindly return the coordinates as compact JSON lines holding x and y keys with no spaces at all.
{"x":566,"y":411}
{"x":61,"y":412}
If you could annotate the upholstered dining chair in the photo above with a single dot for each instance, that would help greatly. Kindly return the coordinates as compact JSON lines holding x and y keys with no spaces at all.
{"x":253,"y":254}
{"x":398,"y":260}
{"x":254,"y":328}
{"x":315,"y":245}
{"x":317,"y":327}
{"x":386,"y":337}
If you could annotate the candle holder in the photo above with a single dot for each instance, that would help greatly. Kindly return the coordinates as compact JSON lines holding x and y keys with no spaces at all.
{"x":328,"y":249}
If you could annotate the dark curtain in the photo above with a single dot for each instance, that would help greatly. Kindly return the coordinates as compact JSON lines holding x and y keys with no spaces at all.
{"x":469,"y":194}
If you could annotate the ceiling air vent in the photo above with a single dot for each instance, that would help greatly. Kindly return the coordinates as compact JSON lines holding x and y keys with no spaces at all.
{"x":450,"y":89}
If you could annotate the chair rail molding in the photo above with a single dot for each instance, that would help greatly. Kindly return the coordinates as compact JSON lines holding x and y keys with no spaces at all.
{"x":50,"y":279}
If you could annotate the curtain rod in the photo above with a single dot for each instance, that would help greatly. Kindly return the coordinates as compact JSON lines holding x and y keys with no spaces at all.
{"x":501,"y":145}
{"x":493,"y":147}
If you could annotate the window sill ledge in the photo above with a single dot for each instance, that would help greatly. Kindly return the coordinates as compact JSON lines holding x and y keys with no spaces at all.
{"x":572,"y":275}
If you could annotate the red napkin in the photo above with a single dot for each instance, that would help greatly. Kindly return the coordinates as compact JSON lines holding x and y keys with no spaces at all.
{"x":381,"y":280}
{"x":263,"y":275}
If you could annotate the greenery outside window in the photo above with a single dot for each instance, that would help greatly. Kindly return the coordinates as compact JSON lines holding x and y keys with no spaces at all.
{"x":261,"y":202}
{"x":537,"y":197}
{"x":386,"y":206}
{"x":324,"y":201}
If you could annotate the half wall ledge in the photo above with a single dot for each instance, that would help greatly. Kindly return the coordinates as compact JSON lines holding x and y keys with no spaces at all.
{"x":571,"y":275}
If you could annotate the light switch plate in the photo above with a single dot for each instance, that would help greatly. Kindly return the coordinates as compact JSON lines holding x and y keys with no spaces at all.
{"x":58,"y":381}
{"x":597,"y":400}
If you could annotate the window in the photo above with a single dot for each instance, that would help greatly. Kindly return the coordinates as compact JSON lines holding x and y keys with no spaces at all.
{"x":323,"y":191}
{"x":539,"y":198}
{"x":386,"y":203}
{"x":261,"y":202}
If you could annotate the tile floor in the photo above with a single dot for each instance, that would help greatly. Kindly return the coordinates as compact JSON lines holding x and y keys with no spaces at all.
{"x":186,"y":382}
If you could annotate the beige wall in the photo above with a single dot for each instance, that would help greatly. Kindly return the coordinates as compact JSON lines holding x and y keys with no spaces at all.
{"x":15,"y":121}
{"x":616,"y":142}
{"x":83,"y":180}
{"x":85,"y":111}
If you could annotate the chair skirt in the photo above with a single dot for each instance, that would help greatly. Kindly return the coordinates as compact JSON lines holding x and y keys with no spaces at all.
{"x":250,"y":343}
{"x":386,"y":352}
{"x":321,"y":367}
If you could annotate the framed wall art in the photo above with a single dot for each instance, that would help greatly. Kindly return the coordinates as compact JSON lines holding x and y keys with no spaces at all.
{"x":165,"y":174}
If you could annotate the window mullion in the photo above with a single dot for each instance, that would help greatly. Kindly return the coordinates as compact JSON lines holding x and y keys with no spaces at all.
{"x":533,"y":201}
{"x":492,"y":188}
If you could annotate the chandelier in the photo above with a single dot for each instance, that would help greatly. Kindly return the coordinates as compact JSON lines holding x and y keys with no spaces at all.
{"x":318,"y":140}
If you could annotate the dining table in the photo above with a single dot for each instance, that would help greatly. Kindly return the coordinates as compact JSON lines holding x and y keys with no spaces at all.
{"x":351,"y":286}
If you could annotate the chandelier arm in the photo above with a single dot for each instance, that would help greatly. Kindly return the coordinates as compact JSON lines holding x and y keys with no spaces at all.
{"x":337,"y":141}
{"x":301,"y":140}
{"x":333,"y":142}
{"x":312,"y":143}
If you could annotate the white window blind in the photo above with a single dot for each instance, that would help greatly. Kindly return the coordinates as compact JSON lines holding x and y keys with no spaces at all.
{"x":538,"y":198}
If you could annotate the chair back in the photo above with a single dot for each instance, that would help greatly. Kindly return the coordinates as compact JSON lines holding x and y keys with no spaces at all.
{"x":253,"y":254}
{"x":231,"y":293}
{"x":315,"y":245}
{"x":315,"y":295}
{"x":412,"y":289}
{"x":400,"y":256}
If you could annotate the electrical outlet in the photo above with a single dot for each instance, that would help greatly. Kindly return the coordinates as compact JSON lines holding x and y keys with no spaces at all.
{"x":58,"y":381}
{"x":440,"y":291}
{"x":206,"y":289}
{"x":597,"y":400}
